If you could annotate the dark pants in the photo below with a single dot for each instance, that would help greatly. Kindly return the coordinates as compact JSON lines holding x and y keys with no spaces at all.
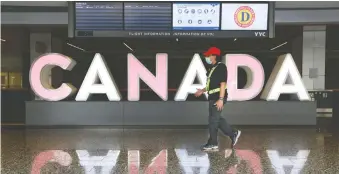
{"x":215,"y":122}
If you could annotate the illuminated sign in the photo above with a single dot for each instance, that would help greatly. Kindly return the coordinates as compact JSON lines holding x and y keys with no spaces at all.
{"x":285,"y":78}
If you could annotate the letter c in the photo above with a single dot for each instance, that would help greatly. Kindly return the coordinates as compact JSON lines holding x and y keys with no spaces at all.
{"x":40,"y":73}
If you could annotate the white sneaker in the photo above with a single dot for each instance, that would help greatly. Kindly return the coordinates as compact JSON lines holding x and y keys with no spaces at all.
{"x":210,"y":147}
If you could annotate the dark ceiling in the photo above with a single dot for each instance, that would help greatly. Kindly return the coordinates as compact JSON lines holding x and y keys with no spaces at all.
{"x":151,"y":45}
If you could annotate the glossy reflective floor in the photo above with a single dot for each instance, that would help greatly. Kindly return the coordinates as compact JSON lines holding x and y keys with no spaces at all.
{"x":103,"y":151}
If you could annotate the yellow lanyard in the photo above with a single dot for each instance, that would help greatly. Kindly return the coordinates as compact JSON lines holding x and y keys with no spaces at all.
{"x":209,"y":78}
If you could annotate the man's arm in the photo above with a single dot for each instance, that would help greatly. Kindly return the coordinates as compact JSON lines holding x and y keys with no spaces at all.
{"x":223,"y":80}
{"x":200,"y":92}
{"x":222,"y":90}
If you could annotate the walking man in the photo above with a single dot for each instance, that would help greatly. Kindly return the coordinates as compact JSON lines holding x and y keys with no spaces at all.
{"x":217,"y":97}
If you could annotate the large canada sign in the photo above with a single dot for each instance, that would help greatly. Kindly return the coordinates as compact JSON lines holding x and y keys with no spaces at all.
{"x":285,"y":78}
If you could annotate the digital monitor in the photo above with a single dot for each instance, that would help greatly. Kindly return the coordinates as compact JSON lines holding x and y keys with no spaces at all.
{"x":171,"y":19}
{"x":147,"y":16}
{"x":103,"y":16}
{"x":196,"y":16}
{"x":244,"y":16}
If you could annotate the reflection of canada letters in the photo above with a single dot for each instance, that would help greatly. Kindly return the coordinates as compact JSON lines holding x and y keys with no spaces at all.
{"x":277,"y":84}
{"x":157,"y":161}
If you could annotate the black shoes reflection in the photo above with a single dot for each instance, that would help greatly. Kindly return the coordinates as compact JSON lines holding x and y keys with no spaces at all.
{"x":235,"y":137}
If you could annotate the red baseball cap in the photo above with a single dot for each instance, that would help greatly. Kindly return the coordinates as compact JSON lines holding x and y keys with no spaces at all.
{"x":212,"y":50}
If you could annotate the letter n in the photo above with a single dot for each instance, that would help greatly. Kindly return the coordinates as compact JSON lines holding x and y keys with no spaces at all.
{"x":136,"y":71}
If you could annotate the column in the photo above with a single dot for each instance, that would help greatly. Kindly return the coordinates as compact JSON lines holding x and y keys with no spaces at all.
{"x":297,"y":52}
{"x":42,"y":43}
{"x":313,"y":57}
{"x":57,"y":73}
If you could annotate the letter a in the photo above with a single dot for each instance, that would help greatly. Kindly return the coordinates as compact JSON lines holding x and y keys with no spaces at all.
{"x":195,"y":69}
{"x":285,"y":71}
{"x":98,"y":69}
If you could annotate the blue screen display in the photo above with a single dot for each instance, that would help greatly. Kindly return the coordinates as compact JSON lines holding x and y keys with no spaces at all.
{"x":99,"y":16}
{"x":196,"y":16}
{"x":147,"y":16}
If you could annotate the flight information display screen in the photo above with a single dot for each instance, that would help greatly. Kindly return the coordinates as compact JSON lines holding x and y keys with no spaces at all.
{"x":148,"y":16}
{"x":99,"y":16}
{"x":196,"y":16}
{"x":171,"y":19}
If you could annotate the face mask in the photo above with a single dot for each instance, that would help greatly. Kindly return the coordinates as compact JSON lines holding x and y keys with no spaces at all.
{"x":208,"y":60}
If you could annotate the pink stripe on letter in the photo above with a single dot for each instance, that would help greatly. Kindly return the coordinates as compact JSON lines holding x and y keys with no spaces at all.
{"x":159,"y":164}
{"x":252,"y":159}
{"x":40,"y":74}
{"x":137,"y":70}
{"x":255,"y":76}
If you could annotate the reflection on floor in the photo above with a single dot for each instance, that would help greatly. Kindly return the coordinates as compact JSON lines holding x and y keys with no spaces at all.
{"x":103,"y":151}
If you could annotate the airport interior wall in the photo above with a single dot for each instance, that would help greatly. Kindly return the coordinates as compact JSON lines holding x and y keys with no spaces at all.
{"x":180,"y":52}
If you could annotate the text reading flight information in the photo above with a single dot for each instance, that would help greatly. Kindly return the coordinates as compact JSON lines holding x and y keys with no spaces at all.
{"x":106,"y":16}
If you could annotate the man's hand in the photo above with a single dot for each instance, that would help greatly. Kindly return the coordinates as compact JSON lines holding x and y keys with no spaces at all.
{"x":199,"y":92}
{"x":219,"y":104}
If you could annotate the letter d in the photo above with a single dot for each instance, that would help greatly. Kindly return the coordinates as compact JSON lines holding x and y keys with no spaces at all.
{"x":255,"y":76}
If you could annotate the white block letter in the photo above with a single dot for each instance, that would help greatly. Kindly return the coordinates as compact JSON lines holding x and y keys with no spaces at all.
{"x":195,"y":69}
{"x":98,"y":69}
{"x":285,"y":71}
